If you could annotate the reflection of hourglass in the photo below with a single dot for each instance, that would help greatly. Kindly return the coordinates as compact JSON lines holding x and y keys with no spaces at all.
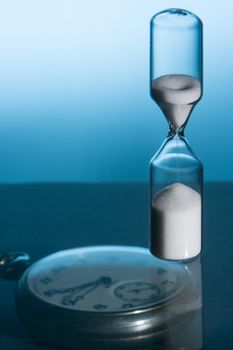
{"x":175,"y":171}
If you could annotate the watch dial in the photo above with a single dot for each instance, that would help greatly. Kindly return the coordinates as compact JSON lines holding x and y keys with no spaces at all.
{"x":105,"y":279}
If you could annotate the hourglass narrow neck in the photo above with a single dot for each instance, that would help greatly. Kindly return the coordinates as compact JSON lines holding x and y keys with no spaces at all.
{"x":172,"y":132}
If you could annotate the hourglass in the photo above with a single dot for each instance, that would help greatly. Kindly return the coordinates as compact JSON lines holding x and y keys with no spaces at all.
{"x":176,"y":173}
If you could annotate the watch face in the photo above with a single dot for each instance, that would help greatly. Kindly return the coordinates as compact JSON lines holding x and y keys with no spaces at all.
{"x":105,"y":279}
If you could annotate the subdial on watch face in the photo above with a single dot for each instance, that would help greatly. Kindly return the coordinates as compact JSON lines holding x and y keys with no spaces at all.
{"x":137,"y":292}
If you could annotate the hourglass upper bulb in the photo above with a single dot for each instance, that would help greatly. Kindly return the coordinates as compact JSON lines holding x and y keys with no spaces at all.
{"x":176,"y":64}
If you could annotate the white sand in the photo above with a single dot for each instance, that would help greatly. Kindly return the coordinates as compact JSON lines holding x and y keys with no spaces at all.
{"x":176,"y":223}
{"x":176,"y":94}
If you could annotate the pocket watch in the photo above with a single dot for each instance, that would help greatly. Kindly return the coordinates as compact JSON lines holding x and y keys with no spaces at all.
{"x":100,"y":297}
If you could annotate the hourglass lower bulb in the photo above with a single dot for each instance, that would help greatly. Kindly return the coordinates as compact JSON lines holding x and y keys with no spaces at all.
{"x":175,"y":171}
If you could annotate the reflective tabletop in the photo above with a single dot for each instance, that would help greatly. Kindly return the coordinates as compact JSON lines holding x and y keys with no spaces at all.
{"x":41,"y":219}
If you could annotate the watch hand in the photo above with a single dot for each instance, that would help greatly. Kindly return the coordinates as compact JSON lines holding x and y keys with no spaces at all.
{"x":72,"y":299}
{"x":102,"y":280}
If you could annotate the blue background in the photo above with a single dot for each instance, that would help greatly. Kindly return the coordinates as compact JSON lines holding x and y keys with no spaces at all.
{"x":74,"y":90}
